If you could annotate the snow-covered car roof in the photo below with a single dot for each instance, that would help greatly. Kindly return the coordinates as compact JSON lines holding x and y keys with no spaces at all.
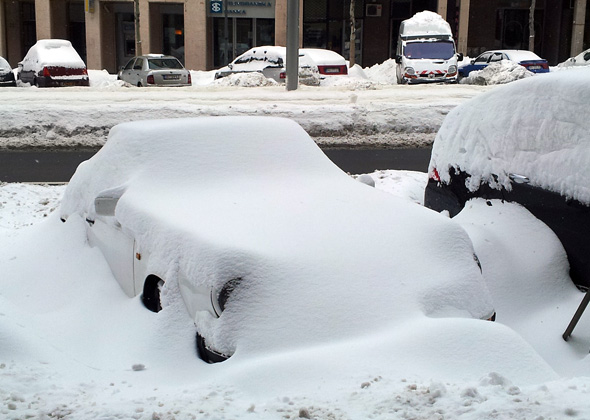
{"x":323,"y":57}
{"x":218,"y":198}
{"x":582,"y":59}
{"x":4,"y":66}
{"x":519,"y":55}
{"x":52,"y":52}
{"x":537,"y":127}
{"x":258,"y":58}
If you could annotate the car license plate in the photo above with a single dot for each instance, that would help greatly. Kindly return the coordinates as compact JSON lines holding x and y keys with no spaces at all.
{"x":171,"y":76}
{"x":534,"y":67}
{"x":332,"y":70}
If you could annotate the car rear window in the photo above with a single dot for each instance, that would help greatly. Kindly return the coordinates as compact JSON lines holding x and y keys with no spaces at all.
{"x":164,"y":63}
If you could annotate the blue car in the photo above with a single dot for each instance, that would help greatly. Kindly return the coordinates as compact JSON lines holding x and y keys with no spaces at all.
{"x":527,"y":59}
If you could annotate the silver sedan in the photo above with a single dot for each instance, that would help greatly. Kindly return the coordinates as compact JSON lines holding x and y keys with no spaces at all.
{"x":155,"y":70}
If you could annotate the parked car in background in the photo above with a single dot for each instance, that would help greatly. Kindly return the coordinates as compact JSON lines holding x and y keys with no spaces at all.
{"x":328,"y":62}
{"x":271,"y":62}
{"x":527,"y":59}
{"x":155,"y":70}
{"x":582,"y":59}
{"x":248,"y":225}
{"x":6,"y":74}
{"x":499,"y":146}
{"x":53,"y":63}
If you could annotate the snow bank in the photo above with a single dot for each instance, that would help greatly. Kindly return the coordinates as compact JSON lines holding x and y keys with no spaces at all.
{"x":58,"y":358}
{"x":536,"y":127}
{"x":502,"y":72}
{"x":253,"y":79}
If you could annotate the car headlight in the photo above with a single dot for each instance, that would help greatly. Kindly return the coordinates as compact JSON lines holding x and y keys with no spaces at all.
{"x":219,"y":299}
{"x":410,"y":71}
{"x":452,"y":69}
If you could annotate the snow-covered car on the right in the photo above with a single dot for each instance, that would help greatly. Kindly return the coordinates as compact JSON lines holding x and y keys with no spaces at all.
{"x":526,"y":142}
{"x":582,"y":59}
{"x":528,"y":59}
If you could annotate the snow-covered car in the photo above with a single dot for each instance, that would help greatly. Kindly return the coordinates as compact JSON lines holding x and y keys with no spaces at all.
{"x":499,"y":146}
{"x":53,"y":63}
{"x":266,"y":243}
{"x":6,"y":74}
{"x":582,"y":59}
{"x":271,"y":61}
{"x":528,"y":59}
{"x":155,"y":70}
{"x":328,"y":62}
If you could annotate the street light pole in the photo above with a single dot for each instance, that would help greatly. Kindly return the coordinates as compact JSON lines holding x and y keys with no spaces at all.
{"x":292,"y":44}
{"x":138,"y":49}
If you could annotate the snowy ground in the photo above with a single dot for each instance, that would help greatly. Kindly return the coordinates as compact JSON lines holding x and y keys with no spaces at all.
{"x":360,"y":109}
{"x":73,"y":346}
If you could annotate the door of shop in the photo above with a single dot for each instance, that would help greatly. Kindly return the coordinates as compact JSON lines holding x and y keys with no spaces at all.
{"x":234,"y":36}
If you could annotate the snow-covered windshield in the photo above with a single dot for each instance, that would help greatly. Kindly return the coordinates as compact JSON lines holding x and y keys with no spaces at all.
{"x":442,"y":50}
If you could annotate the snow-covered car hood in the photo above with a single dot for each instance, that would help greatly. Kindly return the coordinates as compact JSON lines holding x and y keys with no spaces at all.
{"x":537,"y":127}
{"x":254,"y":198}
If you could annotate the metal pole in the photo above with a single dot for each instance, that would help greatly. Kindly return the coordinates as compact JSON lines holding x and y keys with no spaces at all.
{"x":226,"y":33}
{"x":577,"y":316}
{"x":292,"y":44}
{"x":138,"y":48}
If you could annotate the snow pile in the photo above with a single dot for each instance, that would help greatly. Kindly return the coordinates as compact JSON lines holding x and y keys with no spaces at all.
{"x":62,"y":314}
{"x":425,"y":23}
{"x":52,"y":52}
{"x":502,"y":72}
{"x":101,"y":79}
{"x":251,"y":79}
{"x":384,"y":72}
{"x":537,"y":127}
{"x":237,"y":227}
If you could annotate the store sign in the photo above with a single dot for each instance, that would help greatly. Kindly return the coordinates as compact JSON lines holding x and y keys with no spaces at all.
{"x":242,"y":8}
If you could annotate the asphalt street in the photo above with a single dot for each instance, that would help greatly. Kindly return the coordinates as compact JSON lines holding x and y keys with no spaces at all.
{"x":60,"y":165}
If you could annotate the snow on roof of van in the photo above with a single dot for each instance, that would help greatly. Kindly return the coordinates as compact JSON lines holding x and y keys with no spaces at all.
{"x":425,"y":23}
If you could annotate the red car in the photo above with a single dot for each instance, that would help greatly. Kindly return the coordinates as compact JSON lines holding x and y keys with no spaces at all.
{"x":53,"y":63}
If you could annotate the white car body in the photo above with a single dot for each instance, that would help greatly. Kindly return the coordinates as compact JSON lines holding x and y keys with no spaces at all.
{"x":271,"y":61}
{"x":426,"y":50}
{"x":155,"y":70}
{"x":248,"y":221}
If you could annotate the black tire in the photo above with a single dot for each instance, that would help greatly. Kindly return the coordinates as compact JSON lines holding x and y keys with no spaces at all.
{"x":139,"y":84}
{"x":151,"y":293}
{"x":206,"y":354}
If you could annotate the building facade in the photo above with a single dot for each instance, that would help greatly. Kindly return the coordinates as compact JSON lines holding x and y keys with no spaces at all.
{"x":206,"y":34}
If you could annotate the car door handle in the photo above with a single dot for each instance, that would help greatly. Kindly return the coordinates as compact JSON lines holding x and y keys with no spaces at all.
{"x":519,"y":179}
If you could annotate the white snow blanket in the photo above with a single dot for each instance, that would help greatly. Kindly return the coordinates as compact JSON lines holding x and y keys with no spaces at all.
{"x":537,"y":127}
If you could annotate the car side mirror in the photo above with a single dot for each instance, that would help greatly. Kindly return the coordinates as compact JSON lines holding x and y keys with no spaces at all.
{"x":106,"y":201}
{"x":472,"y":61}
{"x":230,"y":66}
{"x":460,"y":57}
{"x":398,"y":59}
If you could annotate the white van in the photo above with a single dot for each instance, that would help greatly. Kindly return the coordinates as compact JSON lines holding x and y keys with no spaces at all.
{"x":426,"y":50}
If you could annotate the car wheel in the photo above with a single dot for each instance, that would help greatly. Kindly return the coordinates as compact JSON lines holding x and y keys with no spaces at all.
{"x":207,"y":354}
{"x":151,"y":293}
{"x":139,"y":84}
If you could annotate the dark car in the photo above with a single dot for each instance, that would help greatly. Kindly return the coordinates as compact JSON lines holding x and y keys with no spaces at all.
{"x":6,"y":74}
{"x":527,"y":59}
{"x":496,"y":146}
{"x":53,"y":63}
